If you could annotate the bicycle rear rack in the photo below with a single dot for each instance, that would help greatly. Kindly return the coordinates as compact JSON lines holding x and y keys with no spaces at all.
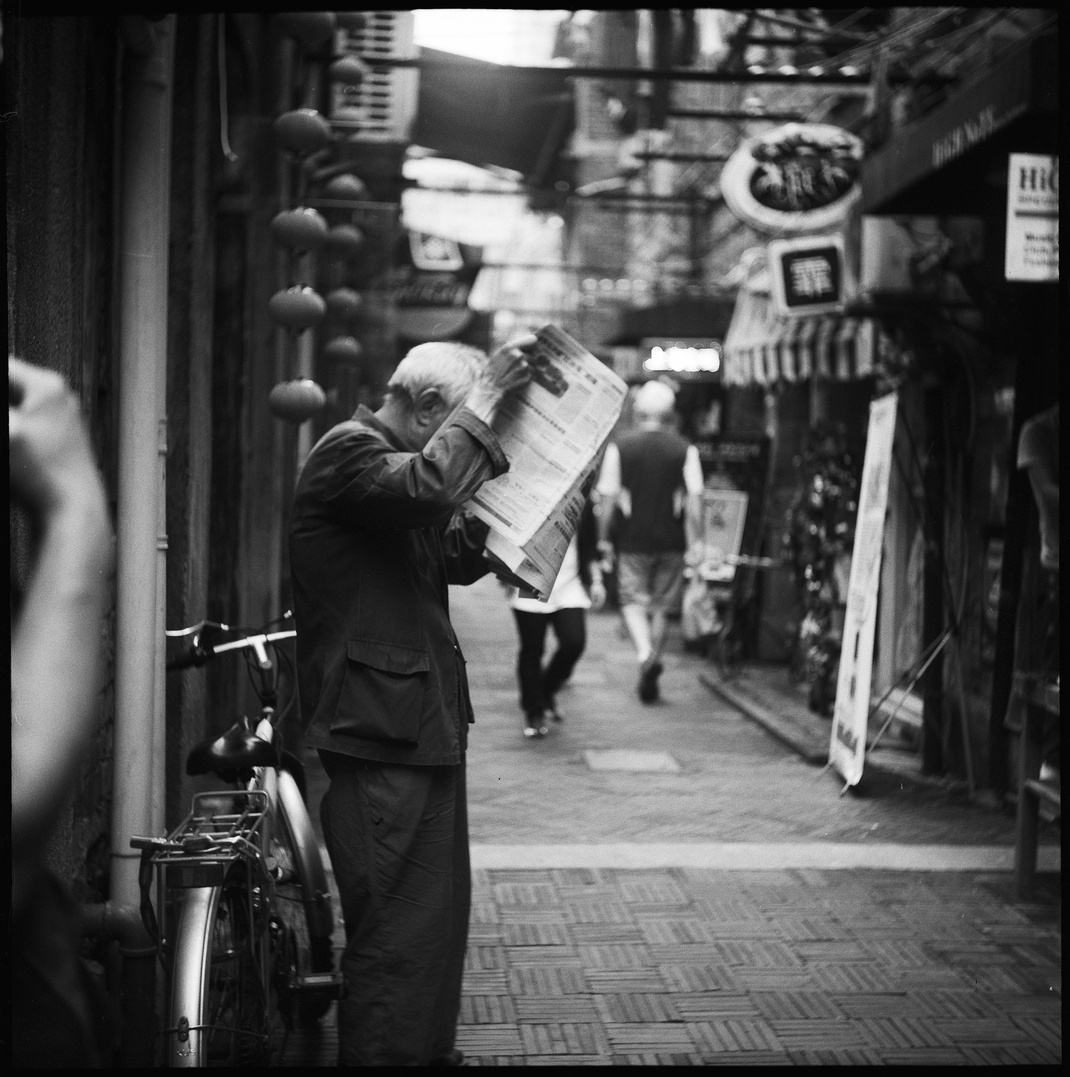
{"x":234,"y":818}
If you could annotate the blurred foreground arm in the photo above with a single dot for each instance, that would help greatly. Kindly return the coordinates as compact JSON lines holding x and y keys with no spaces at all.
{"x":55,"y":644}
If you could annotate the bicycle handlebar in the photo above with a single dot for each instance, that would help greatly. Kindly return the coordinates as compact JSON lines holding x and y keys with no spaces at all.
{"x":199,"y":652}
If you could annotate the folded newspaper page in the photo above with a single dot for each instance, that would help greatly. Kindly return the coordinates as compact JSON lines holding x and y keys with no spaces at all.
{"x":552,"y":433}
{"x":538,"y":561}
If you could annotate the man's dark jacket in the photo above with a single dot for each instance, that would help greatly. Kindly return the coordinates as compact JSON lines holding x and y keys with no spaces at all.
{"x":375,"y":539}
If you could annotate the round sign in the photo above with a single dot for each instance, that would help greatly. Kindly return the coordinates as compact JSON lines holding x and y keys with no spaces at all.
{"x":799,"y":177}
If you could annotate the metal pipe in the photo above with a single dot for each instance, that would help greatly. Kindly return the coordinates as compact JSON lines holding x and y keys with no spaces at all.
{"x":651,"y":74}
{"x":731,"y":114}
{"x":146,"y":161}
{"x":120,"y":923}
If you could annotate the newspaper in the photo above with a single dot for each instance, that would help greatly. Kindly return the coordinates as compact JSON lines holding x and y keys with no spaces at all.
{"x":552,"y":433}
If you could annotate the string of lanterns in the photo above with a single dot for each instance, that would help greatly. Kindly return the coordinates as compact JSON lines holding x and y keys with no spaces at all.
{"x":301,"y":132}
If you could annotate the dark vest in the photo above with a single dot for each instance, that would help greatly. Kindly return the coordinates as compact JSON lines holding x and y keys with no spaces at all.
{"x":652,"y":471}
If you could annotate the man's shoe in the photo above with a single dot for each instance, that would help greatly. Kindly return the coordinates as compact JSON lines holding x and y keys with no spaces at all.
{"x":451,"y":1058}
{"x":649,"y":672}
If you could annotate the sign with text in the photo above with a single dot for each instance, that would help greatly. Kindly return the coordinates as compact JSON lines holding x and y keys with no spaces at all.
{"x":797,"y":178}
{"x":1032,"y":217}
{"x":724,"y":513}
{"x":850,"y":717}
{"x":807,"y":274}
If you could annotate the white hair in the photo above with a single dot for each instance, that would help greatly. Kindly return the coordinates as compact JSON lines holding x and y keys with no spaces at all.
{"x":447,"y":366}
{"x":654,"y":400}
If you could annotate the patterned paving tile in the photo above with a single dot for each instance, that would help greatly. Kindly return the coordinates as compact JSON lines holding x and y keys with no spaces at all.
{"x":537,"y":933}
{"x":645,"y":979}
{"x":487,"y":1009}
{"x":874,"y":1005}
{"x":711,"y":1005}
{"x":637,"y":1036}
{"x":751,"y":979}
{"x":561,"y":956}
{"x":851,"y":1056}
{"x":810,"y":1034}
{"x":979,"y":1031}
{"x":485,"y":981}
{"x":475,"y":1040}
{"x":924,"y":1056}
{"x":562,"y":1039}
{"x":606,"y":933}
{"x":637,"y":1006}
{"x":566,"y":1008}
{"x":547,"y":980}
{"x":782,"y":1005}
{"x":595,"y":912}
{"x":854,"y":977}
{"x":1012,"y":1055}
{"x":733,"y":1034}
{"x":698,"y":977}
{"x":903,"y":1033}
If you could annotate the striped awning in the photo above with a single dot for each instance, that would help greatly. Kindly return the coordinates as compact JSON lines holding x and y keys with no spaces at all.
{"x":762,"y":347}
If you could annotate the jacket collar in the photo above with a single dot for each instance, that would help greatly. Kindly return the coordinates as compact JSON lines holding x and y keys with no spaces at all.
{"x":366,"y":417}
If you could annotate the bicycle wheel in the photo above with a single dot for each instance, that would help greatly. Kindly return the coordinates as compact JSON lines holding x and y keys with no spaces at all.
{"x":303,"y":907}
{"x":221,"y":1012}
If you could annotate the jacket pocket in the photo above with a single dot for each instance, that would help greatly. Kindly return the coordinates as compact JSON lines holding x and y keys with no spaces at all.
{"x":383,"y":692}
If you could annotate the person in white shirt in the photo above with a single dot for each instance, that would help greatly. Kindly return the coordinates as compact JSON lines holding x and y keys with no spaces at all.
{"x":578,"y":588}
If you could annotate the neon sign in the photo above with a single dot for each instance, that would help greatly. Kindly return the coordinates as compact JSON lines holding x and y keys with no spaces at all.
{"x":684,"y":357}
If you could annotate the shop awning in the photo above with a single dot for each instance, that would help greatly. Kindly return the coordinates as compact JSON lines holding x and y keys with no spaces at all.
{"x":763,"y":348}
{"x":941,"y":163}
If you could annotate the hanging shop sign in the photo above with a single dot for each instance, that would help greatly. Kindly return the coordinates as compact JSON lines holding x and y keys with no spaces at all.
{"x":850,"y":717}
{"x":430,"y":282}
{"x":807,"y":274}
{"x":800,"y":177}
{"x":1032,"y":217}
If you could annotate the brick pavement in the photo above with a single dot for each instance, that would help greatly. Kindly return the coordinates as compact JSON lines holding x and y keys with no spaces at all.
{"x":611,"y":925}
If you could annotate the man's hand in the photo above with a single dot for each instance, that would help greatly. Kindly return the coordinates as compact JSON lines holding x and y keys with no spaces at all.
{"x":507,"y":370}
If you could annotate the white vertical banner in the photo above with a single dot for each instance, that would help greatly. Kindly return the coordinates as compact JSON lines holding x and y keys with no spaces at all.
{"x":850,"y":717}
{"x":1032,"y":217}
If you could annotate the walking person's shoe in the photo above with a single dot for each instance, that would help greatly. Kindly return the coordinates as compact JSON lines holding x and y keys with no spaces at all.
{"x":649,"y":672}
{"x":535,"y":725}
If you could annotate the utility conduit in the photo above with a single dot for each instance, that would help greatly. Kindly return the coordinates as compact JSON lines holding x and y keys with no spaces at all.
{"x":144,"y":225}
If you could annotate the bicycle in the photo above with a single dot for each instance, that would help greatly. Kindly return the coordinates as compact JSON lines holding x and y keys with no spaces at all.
{"x":245,"y":920}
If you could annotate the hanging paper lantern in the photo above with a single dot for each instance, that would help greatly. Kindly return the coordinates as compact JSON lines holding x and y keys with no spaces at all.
{"x":344,"y":304}
{"x":347,"y":70}
{"x":351,"y":20}
{"x":298,"y":307}
{"x":343,"y":349}
{"x":299,"y":229}
{"x":344,"y":240}
{"x":297,"y":400}
{"x":302,"y":130}
{"x":346,"y":185}
{"x":308,"y":27}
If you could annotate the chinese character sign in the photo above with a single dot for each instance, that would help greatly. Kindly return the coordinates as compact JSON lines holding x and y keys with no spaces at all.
{"x":807,"y":274}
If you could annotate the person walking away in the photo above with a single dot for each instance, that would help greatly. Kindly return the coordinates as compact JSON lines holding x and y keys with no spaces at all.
{"x":60,"y":1016}
{"x":1038,"y":453}
{"x":650,"y":491}
{"x":577,"y":588}
{"x":377,"y":534}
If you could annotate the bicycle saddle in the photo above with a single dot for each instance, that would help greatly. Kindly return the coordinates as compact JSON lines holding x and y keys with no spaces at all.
{"x":238,"y":749}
